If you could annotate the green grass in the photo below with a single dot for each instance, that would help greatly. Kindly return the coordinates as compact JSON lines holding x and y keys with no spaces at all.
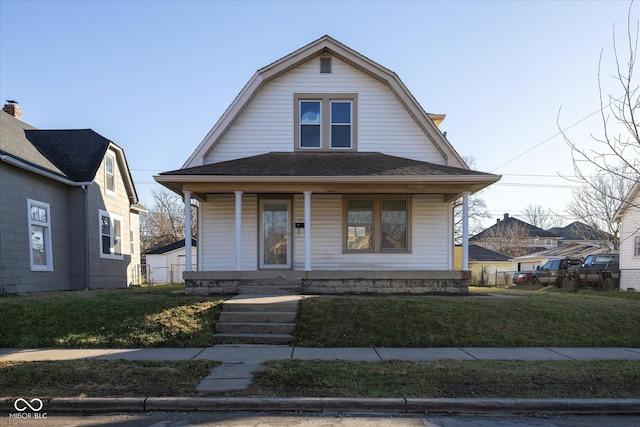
{"x":101,"y":378}
{"x":125,"y":318}
{"x":449,"y":378}
{"x":529,"y":318}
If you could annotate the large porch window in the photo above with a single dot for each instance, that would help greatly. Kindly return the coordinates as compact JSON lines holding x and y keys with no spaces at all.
{"x":377,"y":224}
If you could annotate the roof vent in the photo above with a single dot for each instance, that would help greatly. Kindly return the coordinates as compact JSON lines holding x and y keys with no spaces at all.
{"x":12,"y":107}
{"x":325,"y":65}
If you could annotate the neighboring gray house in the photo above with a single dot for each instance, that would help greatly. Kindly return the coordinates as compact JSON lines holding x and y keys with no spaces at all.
{"x":69,"y":212}
{"x":327,"y":171}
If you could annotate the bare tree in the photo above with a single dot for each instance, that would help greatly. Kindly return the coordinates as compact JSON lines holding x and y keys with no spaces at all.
{"x":165,"y":222}
{"x":477,"y":211}
{"x":538,"y":216}
{"x":512,"y":238}
{"x":609,"y":169}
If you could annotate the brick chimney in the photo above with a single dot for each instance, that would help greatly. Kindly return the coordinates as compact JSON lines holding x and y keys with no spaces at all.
{"x":12,"y":107}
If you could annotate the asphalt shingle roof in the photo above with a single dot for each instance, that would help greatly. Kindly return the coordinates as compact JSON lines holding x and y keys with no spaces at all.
{"x":324,"y":164}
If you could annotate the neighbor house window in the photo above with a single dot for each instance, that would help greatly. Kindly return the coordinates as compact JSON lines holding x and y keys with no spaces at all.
{"x":636,"y":246}
{"x":110,"y":235}
{"x":377,"y":224}
{"x":110,"y":174}
{"x":40,"y":255}
{"x":325,"y":121}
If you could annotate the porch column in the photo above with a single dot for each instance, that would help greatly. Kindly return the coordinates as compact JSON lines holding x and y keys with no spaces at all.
{"x":238,"y":230}
{"x":307,"y":230}
{"x":187,"y":231}
{"x":465,"y":230}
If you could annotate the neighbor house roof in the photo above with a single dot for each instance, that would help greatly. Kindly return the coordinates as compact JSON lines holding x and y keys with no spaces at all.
{"x":509,"y":224}
{"x":170,"y":247}
{"x":479,"y":253}
{"x":72,"y":156}
{"x":628,"y":201}
{"x":327,"y":45}
{"x":577,"y":231}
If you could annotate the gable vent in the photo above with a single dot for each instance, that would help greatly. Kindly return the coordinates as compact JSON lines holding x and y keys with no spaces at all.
{"x":325,"y":65}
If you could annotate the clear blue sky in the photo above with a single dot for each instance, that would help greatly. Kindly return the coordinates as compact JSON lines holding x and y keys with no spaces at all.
{"x":154,"y":76}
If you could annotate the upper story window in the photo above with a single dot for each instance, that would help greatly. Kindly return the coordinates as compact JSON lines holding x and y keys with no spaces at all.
{"x":325,"y":121}
{"x":636,"y":246}
{"x":40,"y":255}
{"x":110,"y":174}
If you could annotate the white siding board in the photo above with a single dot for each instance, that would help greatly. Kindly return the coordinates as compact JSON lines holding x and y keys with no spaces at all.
{"x":218,"y":233}
{"x":267,"y":123}
{"x":630,"y":264}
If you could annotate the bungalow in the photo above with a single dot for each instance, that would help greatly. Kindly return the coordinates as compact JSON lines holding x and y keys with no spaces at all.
{"x":326,"y":171}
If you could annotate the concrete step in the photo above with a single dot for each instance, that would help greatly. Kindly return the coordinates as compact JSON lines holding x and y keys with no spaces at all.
{"x":271,"y":281}
{"x":263,"y":303}
{"x":263,"y":289}
{"x":257,"y":317}
{"x":256,"y":328}
{"x":253,"y":338}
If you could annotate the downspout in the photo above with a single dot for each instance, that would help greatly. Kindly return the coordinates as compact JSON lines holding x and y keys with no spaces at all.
{"x":85,"y":188}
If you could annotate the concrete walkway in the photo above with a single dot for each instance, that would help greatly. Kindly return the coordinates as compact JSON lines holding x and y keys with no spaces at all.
{"x":240,"y":361}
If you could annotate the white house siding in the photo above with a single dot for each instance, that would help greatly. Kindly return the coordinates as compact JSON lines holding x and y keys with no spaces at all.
{"x":630,"y":264}
{"x":218,"y":241}
{"x":267,"y":124}
{"x":430,"y":217}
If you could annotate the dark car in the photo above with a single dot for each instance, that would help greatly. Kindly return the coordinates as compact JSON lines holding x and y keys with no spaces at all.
{"x":598,"y":271}
{"x":553,"y":271}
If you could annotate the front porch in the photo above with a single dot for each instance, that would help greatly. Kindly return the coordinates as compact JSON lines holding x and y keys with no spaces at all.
{"x":333,"y":282}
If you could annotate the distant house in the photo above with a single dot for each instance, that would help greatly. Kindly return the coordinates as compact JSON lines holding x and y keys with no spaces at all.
{"x":166,"y":264}
{"x":513,"y":237}
{"x":69,"y":217}
{"x":628,"y":215}
{"x":488,"y":268}
{"x":581,"y":233}
{"x":325,"y":170}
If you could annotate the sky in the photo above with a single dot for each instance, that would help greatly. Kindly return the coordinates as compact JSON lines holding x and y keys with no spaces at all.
{"x":155,"y":76}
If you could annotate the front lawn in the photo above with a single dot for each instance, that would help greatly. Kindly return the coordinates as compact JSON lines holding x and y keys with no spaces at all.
{"x":534,"y":318}
{"x":124,"y":318}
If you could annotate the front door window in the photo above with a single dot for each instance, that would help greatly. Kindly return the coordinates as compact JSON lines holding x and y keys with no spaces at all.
{"x":275,"y":250}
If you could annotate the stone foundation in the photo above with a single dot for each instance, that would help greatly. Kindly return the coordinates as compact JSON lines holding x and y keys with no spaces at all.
{"x":413,"y":282}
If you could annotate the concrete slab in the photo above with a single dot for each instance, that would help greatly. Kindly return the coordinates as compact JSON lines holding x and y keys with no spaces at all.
{"x":352,"y":353}
{"x":152,"y":354}
{"x":263,"y":299}
{"x":423,"y":354}
{"x":245,"y":352}
{"x":218,"y":385}
{"x":514,"y":353}
{"x":229,"y":371}
{"x":33,"y":355}
{"x":590,"y":353}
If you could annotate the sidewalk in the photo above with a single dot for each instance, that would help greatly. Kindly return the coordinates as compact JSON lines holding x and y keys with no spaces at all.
{"x":240,"y":361}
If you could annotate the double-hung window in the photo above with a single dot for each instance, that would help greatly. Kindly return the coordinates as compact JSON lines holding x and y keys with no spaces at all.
{"x":40,"y":255}
{"x":636,"y":246}
{"x":110,"y":235}
{"x":377,"y":224}
{"x":110,"y":174}
{"x":325,"y":121}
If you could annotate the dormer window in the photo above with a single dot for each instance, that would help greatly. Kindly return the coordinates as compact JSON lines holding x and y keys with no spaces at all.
{"x":325,"y":121}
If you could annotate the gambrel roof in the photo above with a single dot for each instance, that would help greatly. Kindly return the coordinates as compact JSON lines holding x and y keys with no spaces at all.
{"x":327,"y":45}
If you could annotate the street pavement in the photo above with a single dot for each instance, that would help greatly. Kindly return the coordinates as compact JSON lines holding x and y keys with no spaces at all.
{"x":238,"y":362}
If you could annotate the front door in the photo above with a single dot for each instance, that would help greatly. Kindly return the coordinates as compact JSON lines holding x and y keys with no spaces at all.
{"x":275,"y":233}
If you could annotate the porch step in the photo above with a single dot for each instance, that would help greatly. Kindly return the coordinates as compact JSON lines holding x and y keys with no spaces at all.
{"x":256,"y":328}
{"x":263,"y":289}
{"x":253,"y":338}
{"x":257,"y":319}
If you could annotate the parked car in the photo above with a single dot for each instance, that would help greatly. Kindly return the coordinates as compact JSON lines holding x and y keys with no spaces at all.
{"x":553,"y":271}
{"x":522,"y":277}
{"x":599,"y":271}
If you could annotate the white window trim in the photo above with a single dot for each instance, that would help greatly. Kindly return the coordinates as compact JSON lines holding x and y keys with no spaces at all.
{"x":112,"y":157}
{"x":111,"y":217}
{"x":47,"y":226}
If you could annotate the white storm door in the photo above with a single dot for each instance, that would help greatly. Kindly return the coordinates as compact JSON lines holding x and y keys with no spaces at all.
{"x":275,"y":233}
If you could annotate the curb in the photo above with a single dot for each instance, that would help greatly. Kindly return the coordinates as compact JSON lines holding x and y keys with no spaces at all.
{"x":331,"y":405}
